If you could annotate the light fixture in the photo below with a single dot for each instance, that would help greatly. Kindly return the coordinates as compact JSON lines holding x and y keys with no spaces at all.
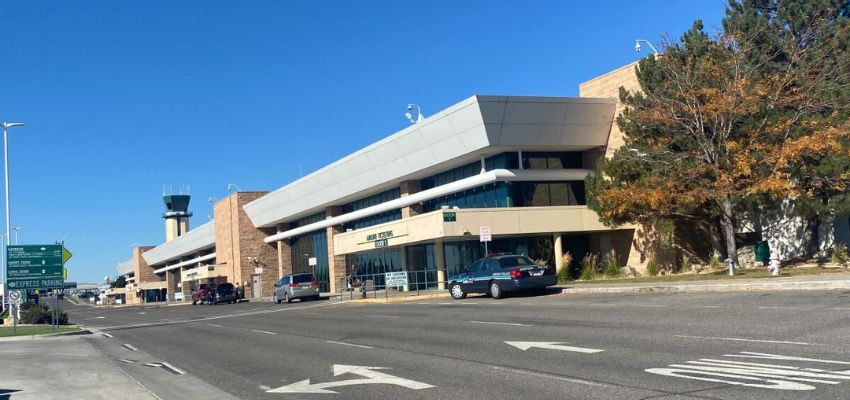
{"x":637,"y":46}
{"x":409,"y":115}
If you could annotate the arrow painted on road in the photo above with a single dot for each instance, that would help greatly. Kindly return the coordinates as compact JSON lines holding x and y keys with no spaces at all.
{"x":552,"y":346}
{"x":369,"y":374}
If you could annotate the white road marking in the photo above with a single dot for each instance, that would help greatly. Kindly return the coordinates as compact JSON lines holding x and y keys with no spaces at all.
{"x":705,"y":306}
{"x":383,"y":316}
{"x":370,"y":376}
{"x":446,"y":303}
{"x":748,"y":340}
{"x":779,"y":308}
{"x":548,"y":376}
{"x":216,"y":325}
{"x":497,"y":323}
{"x":749,"y":354}
{"x":174,"y":369}
{"x":552,"y":346}
{"x":649,"y":305}
{"x":264,"y":387}
{"x":130,"y":347}
{"x":840,"y":308}
{"x":350,"y":344}
{"x":107,"y":335}
{"x":142,"y":313}
{"x":266,"y":332}
{"x":155,"y":365}
{"x":126,"y":361}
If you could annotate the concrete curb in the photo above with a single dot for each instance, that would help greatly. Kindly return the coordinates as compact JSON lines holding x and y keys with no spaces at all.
{"x":705,"y":288}
{"x":82,"y":331}
{"x":397,"y":299}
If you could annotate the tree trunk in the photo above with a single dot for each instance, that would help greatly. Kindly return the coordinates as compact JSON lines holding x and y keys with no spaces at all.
{"x":728,"y":224}
{"x":716,"y":239}
{"x":810,"y":235}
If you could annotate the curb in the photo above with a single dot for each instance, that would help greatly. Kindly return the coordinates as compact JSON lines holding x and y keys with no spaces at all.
{"x":81,"y":332}
{"x":705,"y":288}
{"x":397,"y":299}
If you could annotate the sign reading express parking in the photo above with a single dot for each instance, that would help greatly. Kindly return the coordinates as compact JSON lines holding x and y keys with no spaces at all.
{"x":35,"y":266}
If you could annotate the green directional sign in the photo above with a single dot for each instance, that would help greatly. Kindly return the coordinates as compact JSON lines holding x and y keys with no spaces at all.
{"x":35,"y":266}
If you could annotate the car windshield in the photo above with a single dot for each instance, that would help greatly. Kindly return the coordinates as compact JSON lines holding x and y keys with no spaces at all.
{"x":304,"y":278}
{"x":515,"y":261}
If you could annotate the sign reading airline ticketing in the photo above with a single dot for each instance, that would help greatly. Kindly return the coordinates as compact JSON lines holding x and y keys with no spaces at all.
{"x":35,"y":266}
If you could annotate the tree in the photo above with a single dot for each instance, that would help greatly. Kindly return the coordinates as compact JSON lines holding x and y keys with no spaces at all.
{"x":720,"y":121}
{"x":119,"y":282}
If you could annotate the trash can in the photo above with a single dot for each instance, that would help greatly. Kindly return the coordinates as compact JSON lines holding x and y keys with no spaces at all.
{"x":762,"y":251}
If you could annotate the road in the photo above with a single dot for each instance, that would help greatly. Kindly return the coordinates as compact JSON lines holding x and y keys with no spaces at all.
{"x":764,"y":345}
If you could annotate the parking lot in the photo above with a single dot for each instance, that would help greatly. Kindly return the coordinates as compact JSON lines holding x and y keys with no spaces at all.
{"x":730,"y":346}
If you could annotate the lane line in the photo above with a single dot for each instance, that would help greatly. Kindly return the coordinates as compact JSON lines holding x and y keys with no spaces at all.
{"x":497,"y":323}
{"x":107,"y":335}
{"x":383,"y":316}
{"x":130,"y":347}
{"x":649,"y":305}
{"x":748,"y":340}
{"x":266,"y":332}
{"x":173,"y":369}
{"x":548,"y":376}
{"x":705,"y":306}
{"x":349,"y":344}
{"x":840,"y":308}
{"x":215,"y":325}
{"x":779,"y":308}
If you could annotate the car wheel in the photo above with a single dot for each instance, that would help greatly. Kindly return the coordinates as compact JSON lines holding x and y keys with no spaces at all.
{"x":457,"y":291}
{"x":286,"y":298}
{"x":275,"y":299}
{"x":317,"y":297}
{"x":496,"y":290}
{"x":194,"y":302}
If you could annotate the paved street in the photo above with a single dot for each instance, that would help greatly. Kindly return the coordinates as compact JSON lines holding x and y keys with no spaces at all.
{"x":762,"y":345}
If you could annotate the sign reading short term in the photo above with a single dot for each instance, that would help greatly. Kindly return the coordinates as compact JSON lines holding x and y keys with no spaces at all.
{"x":35,"y":266}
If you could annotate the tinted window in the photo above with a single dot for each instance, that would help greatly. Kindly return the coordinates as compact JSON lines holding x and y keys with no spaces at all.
{"x":514,"y":261}
{"x":475,"y":267}
{"x":491,"y":265}
{"x":280,"y":282}
{"x":303,"y":278}
{"x":285,"y":280}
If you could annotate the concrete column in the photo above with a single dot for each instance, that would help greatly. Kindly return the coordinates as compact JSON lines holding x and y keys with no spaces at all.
{"x":440,"y":255}
{"x":559,"y":252}
{"x":284,"y":258}
{"x":405,"y":266}
{"x":336,"y":263}
{"x":406,"y":189}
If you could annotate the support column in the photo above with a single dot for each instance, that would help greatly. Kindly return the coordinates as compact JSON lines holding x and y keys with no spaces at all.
{"x":559,"y":253}
{"x":336,"y":263}
{"x":407,"y":188}
{"x":284,"y":258}
{"x":405,"y":266}
{"x":440,"y":255}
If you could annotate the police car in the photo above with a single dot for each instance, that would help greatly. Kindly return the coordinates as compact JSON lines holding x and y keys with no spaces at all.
{"x":498,"y":274}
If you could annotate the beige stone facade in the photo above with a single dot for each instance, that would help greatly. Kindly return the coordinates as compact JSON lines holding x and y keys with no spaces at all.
{"x":608,"y":86}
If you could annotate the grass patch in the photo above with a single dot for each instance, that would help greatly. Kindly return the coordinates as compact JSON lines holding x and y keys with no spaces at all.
{"x":719,"y":275}
{"x":6,"y":331}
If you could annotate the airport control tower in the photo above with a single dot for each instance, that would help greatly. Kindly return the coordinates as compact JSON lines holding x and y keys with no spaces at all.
{"x":176,"y":215}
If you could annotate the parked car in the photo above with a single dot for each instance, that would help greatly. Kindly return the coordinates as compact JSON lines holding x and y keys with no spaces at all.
{"x":223,"y":293}
{"x":296,"y":286}
{"x":201,"y":294}
{"x":500,"y":274}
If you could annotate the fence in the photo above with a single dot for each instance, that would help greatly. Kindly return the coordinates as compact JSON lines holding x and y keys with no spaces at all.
{"x":388,"y":284}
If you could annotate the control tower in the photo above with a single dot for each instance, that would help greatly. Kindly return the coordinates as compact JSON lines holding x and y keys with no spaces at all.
{"x":176,"y":215}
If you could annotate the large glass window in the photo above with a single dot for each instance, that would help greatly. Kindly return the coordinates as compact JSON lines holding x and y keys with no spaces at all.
{"x":551,"y":160}
{"x":544,"y":194}
{"x":370,"y":201}
{"x":313,"y":244}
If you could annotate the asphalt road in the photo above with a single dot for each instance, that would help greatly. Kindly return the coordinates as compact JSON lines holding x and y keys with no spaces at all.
{"x":765,"y":345}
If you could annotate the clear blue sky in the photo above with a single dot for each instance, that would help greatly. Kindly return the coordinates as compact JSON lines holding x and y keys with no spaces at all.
{"x":123,"y":97}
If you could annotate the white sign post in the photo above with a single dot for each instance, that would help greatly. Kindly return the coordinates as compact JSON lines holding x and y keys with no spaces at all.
{"x":485,"y":236}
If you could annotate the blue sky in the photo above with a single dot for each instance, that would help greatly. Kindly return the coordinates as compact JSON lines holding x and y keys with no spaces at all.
{"x":123,"y":97}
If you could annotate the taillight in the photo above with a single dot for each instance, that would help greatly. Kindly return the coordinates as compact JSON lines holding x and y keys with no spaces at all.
{"x":314,"y":282}
{"x":515,"y":273}
{"x":293,"y":285}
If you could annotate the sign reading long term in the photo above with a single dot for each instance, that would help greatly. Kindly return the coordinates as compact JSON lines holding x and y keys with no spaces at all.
{"x":35,"y":266}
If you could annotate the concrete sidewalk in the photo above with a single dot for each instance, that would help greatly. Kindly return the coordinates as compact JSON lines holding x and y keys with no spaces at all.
{"x":62,"y":367}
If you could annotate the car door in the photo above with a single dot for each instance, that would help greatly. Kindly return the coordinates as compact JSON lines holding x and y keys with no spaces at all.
{"x":468,"y":283}
{"x":278,"y":288}
{"x":485,"y":275}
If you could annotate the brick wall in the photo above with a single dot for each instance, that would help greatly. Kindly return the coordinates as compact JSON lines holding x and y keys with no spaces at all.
{"x":407,"y":188}
{"x":607,"y":86}
{"x":143,"y":272}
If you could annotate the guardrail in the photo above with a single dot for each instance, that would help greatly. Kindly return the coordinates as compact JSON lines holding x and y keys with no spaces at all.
{"x":394,"y":283}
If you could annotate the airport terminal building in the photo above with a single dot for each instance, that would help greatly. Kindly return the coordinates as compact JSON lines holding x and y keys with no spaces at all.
{"x":414,"y":201}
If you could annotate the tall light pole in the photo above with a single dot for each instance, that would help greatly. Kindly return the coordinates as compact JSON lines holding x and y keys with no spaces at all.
{"x":6,"y":126}
{"x":17,"y":229}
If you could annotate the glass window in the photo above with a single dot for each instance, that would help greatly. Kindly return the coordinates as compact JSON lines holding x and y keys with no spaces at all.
{"x":475,"y":267}
{"x":491,"y":265}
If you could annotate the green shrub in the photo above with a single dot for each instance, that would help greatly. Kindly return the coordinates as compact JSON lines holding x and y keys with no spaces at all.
{"x":715,"y":264}
{"x":589,"y":267}
{"x":611,"y":267}
{"x":32,"y":313}
{"x":564,"y":273}
{"x":651,"y":267}
{"x":839,"y":255}
{"x":686,"y":264}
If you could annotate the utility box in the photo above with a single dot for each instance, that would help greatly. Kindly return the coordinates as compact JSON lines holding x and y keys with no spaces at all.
{"x":762,"y":251}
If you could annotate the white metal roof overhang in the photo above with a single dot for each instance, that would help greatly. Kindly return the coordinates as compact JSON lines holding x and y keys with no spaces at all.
{"x":185,"y":263}
{"x":200,"y":238}
{"x":477,"y":126}
{"x":497,"y":175}
{"x":125,"y":267}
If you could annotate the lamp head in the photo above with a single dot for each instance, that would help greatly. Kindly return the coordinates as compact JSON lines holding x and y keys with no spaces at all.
{"x":410,"y":107}
{"x":637,"y":46}
{"x":12,"y":124}
{"x":408,"y":115}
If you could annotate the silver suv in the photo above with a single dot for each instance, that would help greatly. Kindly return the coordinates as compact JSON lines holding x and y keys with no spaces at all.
{"x":296,"y":286}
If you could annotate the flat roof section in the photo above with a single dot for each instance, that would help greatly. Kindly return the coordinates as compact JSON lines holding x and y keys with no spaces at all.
{"x":190,"y":242}
{"x":459,"y":134}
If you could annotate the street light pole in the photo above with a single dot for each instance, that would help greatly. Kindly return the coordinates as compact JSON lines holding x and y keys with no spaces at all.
{"x":6,"y":126}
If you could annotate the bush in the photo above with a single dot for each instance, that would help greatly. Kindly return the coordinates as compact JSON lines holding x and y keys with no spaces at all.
{"x":715,"y":264}
{"x":589,"y":267}
{"x":686,"y":264}
{"x":564,"y":273}
{"x":651,"y":267}
{"x":32,"y":313}
{"x":839,"y":255}
{"x":610,"y":265}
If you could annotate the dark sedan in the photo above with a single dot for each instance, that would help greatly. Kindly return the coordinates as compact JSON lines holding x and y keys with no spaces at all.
{"x":500,"y":274}
{"x":224,"y":293}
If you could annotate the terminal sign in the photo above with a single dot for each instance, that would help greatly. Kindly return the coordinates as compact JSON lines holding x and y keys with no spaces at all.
{"x":379,"y":235}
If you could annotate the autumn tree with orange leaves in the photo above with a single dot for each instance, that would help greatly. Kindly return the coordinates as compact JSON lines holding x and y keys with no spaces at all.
{"x":753,"y":114}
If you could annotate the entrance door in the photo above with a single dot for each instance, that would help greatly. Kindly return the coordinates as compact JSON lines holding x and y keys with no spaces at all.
{"x":256,"y":287}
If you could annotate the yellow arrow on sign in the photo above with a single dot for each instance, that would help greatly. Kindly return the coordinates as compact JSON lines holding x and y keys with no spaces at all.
{"x":66,"y":255}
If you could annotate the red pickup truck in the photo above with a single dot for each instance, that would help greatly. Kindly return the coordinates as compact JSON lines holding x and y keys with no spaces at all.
{"x":201,"y":294}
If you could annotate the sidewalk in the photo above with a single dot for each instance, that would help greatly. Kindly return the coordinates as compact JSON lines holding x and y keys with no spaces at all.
{"x":61,"y":367}
{"x":834,"y":281}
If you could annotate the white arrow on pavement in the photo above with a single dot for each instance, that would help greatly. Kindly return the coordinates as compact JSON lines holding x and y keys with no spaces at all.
{"x":552,"y":346}
{"x":370,"y":377}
